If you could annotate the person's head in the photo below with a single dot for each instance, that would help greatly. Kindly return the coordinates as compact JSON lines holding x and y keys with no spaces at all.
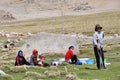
{"x":98,"y":28}
{"x":5,"y":46}
{"x":20,"y":53}
{"x":71,"y":47}
{"x":11,"y":45}
{"x":35,"y":52}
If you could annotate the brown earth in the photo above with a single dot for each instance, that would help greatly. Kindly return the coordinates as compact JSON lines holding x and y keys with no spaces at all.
{"x":29,"y":9}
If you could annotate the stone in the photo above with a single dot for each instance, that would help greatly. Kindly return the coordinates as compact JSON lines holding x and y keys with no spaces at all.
{"x":7,"y":35}
{"x":50,"y":43}
{"x":116,"y":35}
{"x":71,"y":76}
{"x":2,"y":72}
{"x":29,"y":34}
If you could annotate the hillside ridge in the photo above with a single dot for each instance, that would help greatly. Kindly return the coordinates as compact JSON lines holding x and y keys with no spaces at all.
{"x":30,"y":9}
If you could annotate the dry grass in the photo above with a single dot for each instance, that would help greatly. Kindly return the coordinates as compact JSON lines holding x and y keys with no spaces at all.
{"x":18,"y":69}
{"x":72,"y":24}
{"x":71,"y":76}
{"x":71,"y":72}
{"x":35,"y":75}
{"x":6,"y":77}
{"x":77,"y":24}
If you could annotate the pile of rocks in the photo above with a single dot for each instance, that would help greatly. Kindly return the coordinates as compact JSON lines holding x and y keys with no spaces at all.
{"x":83,"y":7}
{"x":6,"y":16}
{"x":14,"y":34}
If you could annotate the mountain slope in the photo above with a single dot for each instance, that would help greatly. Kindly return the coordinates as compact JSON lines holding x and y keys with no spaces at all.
{"x":28,"y":9}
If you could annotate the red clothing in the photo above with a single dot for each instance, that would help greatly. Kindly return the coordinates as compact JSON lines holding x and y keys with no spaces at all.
{"x":69,"y":55}
{"x":20,"y":61}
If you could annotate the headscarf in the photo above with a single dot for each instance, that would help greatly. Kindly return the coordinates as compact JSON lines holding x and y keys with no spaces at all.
{"x":19,"y":53}
{"x":35,"y":52}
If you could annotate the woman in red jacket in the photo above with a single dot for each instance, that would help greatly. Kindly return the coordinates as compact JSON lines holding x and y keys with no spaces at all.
{"x":70,"y":56}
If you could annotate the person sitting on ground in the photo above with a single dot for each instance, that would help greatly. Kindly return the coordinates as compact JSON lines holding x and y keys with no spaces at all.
{"x":9,"y":46}
{"x":37,"y":60}
{"x":34,"y":58}
{"x":70,"y":56}
{"x":20,"y":60}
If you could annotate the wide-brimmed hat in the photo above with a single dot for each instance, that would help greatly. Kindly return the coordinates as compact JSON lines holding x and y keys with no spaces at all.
{"x":98,"y":26}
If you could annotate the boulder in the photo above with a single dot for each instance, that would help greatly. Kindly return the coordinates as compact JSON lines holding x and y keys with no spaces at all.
{"x":50,"y":43}
{"x":116,"y":35}
{"x":2,"y":72}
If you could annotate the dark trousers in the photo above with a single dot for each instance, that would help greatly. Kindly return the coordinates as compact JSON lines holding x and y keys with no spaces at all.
{"x":74,"y":59}
{"x":22,"y":62}
{"x":98,"y":58}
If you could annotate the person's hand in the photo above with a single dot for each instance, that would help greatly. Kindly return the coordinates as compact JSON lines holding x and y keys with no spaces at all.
{"x":104,"y":51}
{"x":69,"y":61}
{"x":97,"y":48}
{"x":18,"y":65}
{"x":27,"y":58}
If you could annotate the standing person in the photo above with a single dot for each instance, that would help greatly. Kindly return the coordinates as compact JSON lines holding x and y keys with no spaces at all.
{"x":70,"y":56}
{"x":20,"y":60}
{"x":97,"y":43}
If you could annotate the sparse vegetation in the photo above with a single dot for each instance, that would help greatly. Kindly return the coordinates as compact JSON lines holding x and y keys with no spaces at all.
{"x":72,"y":24}
{"x":84,"y":72}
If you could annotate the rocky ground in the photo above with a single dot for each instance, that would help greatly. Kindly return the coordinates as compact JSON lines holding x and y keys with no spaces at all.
{"x":29,"y":9}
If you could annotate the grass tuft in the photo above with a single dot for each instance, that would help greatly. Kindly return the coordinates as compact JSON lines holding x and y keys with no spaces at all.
{"x":6,"y":77}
